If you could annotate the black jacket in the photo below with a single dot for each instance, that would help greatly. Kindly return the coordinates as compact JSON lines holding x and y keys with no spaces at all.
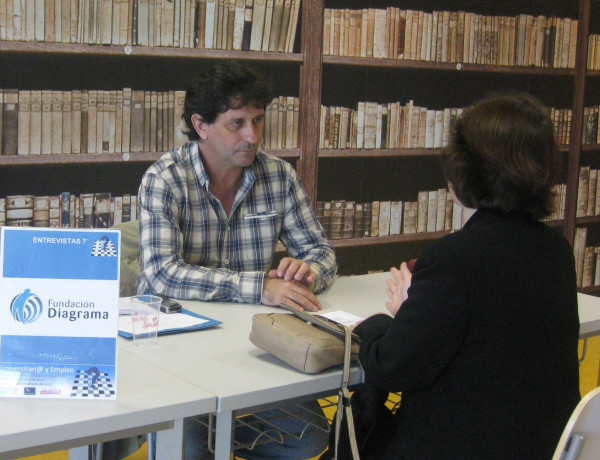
{"x":484,"y":350}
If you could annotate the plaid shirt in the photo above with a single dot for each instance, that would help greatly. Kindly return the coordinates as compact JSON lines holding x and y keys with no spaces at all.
{"x":190,"y":249}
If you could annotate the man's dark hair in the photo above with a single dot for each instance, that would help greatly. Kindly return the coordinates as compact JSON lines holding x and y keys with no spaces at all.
{"x":224,"y":86}
{"x":502,"y":155}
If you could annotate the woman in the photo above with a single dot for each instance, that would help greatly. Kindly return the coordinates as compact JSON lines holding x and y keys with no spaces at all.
{"x":483,"y":339}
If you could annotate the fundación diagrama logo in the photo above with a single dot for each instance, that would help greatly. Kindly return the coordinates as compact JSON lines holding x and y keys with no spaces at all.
{"x":26,"y":307}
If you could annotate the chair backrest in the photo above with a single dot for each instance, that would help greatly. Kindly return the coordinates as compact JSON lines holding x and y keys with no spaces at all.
{"x":130,"y":257}
{"x":581,"y":437}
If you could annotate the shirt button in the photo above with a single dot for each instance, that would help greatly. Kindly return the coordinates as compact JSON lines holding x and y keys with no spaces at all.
{"x":226,"y":261}
{"x":228,"y":228}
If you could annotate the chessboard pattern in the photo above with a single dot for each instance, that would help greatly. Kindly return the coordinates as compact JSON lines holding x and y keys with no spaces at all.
{"x":82,"y":386}
{"x":104,"y":249}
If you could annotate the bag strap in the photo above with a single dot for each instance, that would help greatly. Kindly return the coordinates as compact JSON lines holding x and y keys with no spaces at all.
{"x":344,"y":405}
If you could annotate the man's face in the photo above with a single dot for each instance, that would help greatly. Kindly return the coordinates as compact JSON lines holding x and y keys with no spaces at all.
{"x":231,"y":141}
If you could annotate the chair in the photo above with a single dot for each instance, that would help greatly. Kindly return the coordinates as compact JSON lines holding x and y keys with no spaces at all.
{"x":130,"y":257}
{"x":581,"y":437}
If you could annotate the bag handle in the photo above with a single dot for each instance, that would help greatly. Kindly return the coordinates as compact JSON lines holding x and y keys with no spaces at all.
{"x":344,"y":401}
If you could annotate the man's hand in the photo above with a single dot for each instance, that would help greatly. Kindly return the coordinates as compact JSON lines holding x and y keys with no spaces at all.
{"x":397,"y":288}
{"x":292,"y":293}
{"x":291,"y":269}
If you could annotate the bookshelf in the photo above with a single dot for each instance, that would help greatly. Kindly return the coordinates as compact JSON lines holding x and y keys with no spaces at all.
{"x":319,"y":78}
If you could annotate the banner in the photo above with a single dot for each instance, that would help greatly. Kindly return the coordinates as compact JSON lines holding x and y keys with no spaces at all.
{"x":59,"y":293}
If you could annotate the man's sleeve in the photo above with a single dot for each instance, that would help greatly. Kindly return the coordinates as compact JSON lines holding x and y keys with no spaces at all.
{"x":304,"y":237}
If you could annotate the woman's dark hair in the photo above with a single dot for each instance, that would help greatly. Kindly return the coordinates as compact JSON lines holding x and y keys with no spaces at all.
{"x":224,"y":86}
{"x":502,"y":155}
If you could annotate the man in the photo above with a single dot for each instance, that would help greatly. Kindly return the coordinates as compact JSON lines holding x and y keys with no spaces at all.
{"x":212,"y":212}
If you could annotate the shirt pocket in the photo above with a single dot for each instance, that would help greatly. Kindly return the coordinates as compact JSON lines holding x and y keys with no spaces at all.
{"x":264,"y":215}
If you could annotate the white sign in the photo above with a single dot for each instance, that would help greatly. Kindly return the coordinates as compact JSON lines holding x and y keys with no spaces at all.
{"x":59,"y":293}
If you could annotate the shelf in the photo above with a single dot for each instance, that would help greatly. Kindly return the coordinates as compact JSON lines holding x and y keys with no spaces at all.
{"x":143,"y":51}
{"x":449,"y":66}
{"x":22,"y":160}
{"x":591,"y":290}
{"x":397,"y":152}
{"x":587,"y":220}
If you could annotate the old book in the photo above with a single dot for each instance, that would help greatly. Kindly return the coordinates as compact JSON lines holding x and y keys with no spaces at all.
{"x":267,"y":24}
{"x":41,"y":211}
{"x":238,"y":25}
{"x":92,"y":121}
{"x":589,"y":263}
{"x":348,"y":219}
{"x":336,"y":224}
{"x":137,"y":121}
{"x":117,"y":210}
{"x":54,"y":211}
{"x":46,"y":123}
{"x":396,"y":217}
{"x":126,"y":121}
{"x":370,"y":31}
{"x":276,"y":24}
{"x":86,"y":210}
{"x":359,"y":220}
{"x":281,"y":122}
{"x":440,"y":219}
{"x":101,"y":210}
{"x":210,"y":22}
{"x":84,"y":121}
{"x":35,"y":123}
{"x":592,"y":184}
{"x":456,"y":216}
{"x":327,"y":26}
{"x":384,"y":217}
{"x":375,"y":205}
{"x":56,"y":116}
{"x":103,"y":141}
{"x":200,"y":24}
{"x":247,"y":29}
{"x":422,"y":199}
{"x":291,"y":36}
{"x":370,"y":132}
{"x":258,"y":22}
{"x":117,"y":129}
{"x":229,"y":29}
{"x":110,"y":121}
{"x":448,"y":212}
{"x":432,"y":210}
{"x":579,"y":243}
{"x":221,"y":12}
{"x":151,"y":129}
{"x":146,"y":127}
{"x":67,"y":123}
{"x":326,"y":223}
{"x":126,"y":207}
{"x":582,"y":191}
{"x":65,"y":213}
{"x":367,"y":217}
{"x":10,"y":122}
{"x":410,"y":217}
{"x":285,"y":23}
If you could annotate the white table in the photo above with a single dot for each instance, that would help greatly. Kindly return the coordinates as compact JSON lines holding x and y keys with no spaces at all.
{"x":214,"y":370}
{"x":148,"y":399}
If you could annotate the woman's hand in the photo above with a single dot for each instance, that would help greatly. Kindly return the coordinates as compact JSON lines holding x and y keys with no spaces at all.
{"x":397,"y":288}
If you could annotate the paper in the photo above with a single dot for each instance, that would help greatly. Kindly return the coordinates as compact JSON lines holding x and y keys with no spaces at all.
{"x":342,"y":317}
{"x":166,"y":321}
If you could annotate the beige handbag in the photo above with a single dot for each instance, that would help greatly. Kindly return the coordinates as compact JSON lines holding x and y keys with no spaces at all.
{"x":307,"y":342}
